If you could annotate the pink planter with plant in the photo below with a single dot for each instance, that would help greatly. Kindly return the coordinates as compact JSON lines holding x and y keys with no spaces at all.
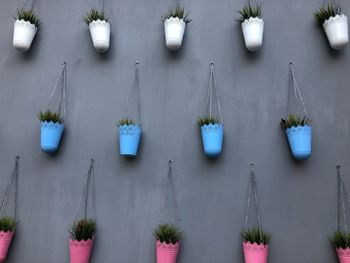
{"x":254,"y":253}
{"x":80,"y":251}
{"x":5,"y":242}
{"x":167,"y":253}
{"x":343,"y":255}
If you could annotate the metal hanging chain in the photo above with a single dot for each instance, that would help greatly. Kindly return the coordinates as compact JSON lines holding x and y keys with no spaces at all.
{"x":13,"y":180}
{"x":101,"y":4}
{"x":342,"y":200}
{"x":62,"y":99}
{"x":170,"y":182}
{"x":212,"y":85}
{"x":90,"y":177}
{"x":294,"y":88}
{"x":26,"y":3}
{"x":253,"y":188}
{"x":135,"y":84}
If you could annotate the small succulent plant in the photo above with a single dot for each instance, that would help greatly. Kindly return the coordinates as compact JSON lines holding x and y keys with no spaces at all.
{"x":340,"y":239}
{"x":327,"y":11}
{"x":93,"y":15}
{"x":167,"y":233}
{"x":29,"y":16}
{"x":206,"y":120}
{"x":49,"y":116}
{"x":179,"y":12}
{"x":256,"y":235}
{"x":83,"y":229}
{"x":249,"y":11}
{"x":8,"y":224}
{"x":295,"y":120}
{"x":126,"y":122}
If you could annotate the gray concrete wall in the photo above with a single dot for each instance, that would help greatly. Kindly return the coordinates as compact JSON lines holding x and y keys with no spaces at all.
{"x":298,"y":201}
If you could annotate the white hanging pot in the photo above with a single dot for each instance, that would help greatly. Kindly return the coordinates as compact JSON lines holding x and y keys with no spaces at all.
{"x":174,"y":32}
{"x":336,"y":28}
{"x":23,"y":34}
{"x":100,"y":31}
{"x":253,"y":30}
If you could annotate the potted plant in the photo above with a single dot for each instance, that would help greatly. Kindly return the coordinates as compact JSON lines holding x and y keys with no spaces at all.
{"x":299,"y":134}
{"x":255,"y":245}
{"x":212,"y":135}
{"x":51,"y":130}
{"x":25,"y":28}
{"x":7,"y":230}
{"x":168,"y":243}
{"x":82,"y":240}
{"x":341,"y":242}
{"x":335,"y":24}
{"x":129,"y":137}
{"x":175,"y":22}
{"x":100,"y":29}
{"x":252,"y":26}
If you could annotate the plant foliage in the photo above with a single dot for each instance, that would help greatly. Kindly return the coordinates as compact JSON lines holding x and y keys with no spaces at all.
{"x":93,"y":15}
{"x":8,"y":224}
{"x":256,"y":235}
{"x":167,"y":233}
{"x":206,"y":120}
{"x":83,"y":229}
{"x":126,"y":122}
{"x":327,"y":11}
{"x":295,"y":120}
{"x":179,"y":12}
{"x":249,"y":11}
{"x":49,"y":116}
{"x":340,"y":239}
{"x":29,"y":16}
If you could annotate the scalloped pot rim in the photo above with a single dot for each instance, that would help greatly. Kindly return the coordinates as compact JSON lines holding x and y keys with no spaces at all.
{"x":253,"y":19}
{"x":26,"y":23}
{"x":174,"y":19}
{"x":213,"y":125}
{"x":100,"y":22}
{"x":248,"y":243}
{"x":299,"y":126}
{"x":334,"y":19}
{"x":51,"y":123}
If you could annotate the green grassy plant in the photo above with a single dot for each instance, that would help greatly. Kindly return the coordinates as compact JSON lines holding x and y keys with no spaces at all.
{"x":29,"y":16}
{"x":249,"y":11}
{"x":167,"y":233}
{"x":206,"y":120}
{"x":8,"y":224}
{"x":93,"y":15}
{"x":327,"y":11}
{"x":340,"y":239}
{"x":83,"y":229}
{"x":126,"y":122}
{"x":179,"y":12}
{"x":49,"y":116}
{"x":256,"y":235}
{"x":295,"y":120}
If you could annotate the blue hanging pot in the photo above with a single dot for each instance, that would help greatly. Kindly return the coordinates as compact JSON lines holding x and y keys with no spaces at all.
{"x":129,"y":139}
{"x":212,"y":136}
{"x":299,"y":139}
{"x":51,"y":133}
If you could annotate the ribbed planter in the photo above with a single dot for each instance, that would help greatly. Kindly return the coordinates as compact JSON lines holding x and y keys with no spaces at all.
{"x":51,"y":133}
{"x":174,"y":32}
{"x":167,"y":253}
{"x":129,"y":139}
{"x":336,"y":29}
{"x":100,"y":32}
{"x":253,"y":31}
{"x":80,"y":251}
{"x":300,"y":140}
{"x":254,"y":253}
{"x":5,"y":242}
{"x":23,"y":34}
{"x":212,"y":137}
{"x":343,"y":255}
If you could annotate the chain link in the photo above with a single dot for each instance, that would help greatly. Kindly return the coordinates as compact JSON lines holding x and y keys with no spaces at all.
{"x":62,"y":97}
{"x":212,"y":85}
{"x":342,"y":200}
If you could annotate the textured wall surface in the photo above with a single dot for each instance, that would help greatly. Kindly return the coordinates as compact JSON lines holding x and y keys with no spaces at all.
{"x":298,"y":201}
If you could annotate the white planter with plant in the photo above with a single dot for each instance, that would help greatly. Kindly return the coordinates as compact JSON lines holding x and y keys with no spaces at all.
{"x":25,"y":28}
{"x":100,"y":29}
{"x":252,"y":26}
{"x":335,"y":24}
{"x":174,"y":26}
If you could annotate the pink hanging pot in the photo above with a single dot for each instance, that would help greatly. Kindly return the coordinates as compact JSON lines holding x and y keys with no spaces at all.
{"x":167,"y":253}
{"x":343,"y":255}
{"x":80,"y":251}
{"x":254,"y":253}
{"x":5,"y":242}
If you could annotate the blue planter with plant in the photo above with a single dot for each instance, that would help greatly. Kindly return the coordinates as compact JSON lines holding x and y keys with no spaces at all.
{"x":299,"y":134}
{"x":129,"y":137}
{"x":212,"y":135}
{"x":51,"y":131}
